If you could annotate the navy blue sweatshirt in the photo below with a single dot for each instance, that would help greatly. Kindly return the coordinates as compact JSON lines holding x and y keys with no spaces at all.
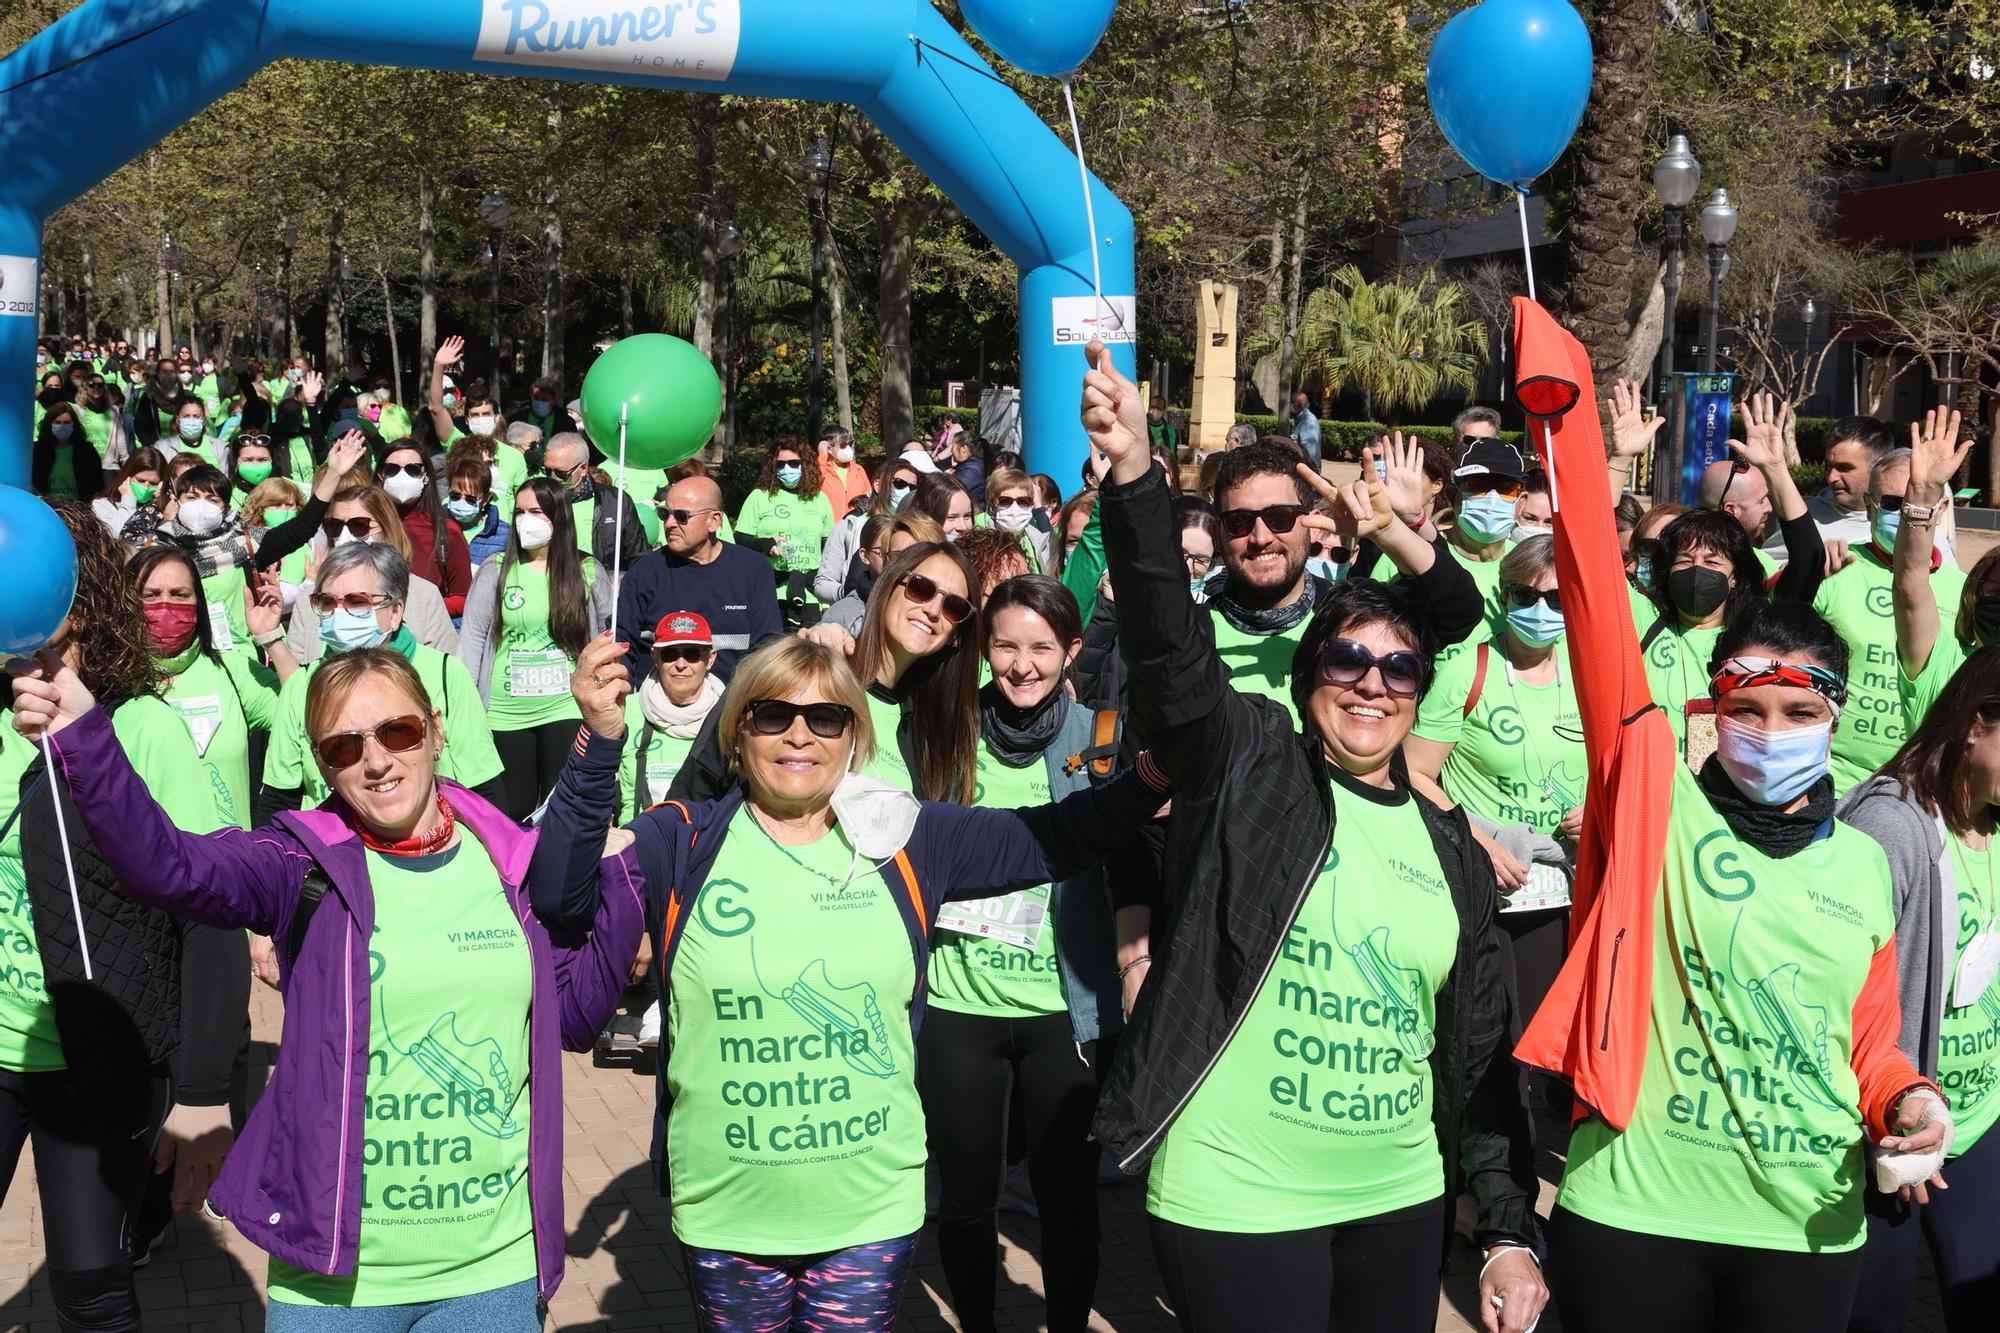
{"x":735,"y":593}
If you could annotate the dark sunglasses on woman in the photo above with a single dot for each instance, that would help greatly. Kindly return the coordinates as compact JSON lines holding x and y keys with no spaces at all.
{"x":399,"y":735}
{"x":1345,"y":663}
{"x":1524,"y":597}
{"x":360,"y":527}
{"x":923,"y":591}
{"x":407,"y":469}
{"x":681,"y":652}
{"x":774,"y":717}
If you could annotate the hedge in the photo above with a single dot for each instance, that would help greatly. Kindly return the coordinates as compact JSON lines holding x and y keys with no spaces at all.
{"x":1344,"y":440}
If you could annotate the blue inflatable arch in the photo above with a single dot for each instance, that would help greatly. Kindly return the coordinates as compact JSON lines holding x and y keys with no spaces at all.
{"x":160,"y":62}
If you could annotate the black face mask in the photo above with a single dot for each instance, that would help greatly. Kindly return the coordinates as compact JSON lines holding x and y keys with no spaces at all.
{"x":1696,"y":592}
{"x":1986,"y":618}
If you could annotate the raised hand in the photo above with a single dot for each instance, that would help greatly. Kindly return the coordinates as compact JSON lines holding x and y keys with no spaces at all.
{"x":347,"y":453}
{"x":48,"y":696}
{"x":310,"y":387}
{"x":1115,"y":417}
{"x":1937,"y":453}
{"x":1763,"y":442}
{"x":600,"y":685}
{"x":1360,"y":508}
{"x":1631,"y":432}
{"x":1838,"y":557}
{"x":263,"y":604}
{"x":450,"y":352}
{"x":1403,"y":474}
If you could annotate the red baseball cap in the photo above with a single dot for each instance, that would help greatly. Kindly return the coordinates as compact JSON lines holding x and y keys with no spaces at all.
{"x":682,"y":627}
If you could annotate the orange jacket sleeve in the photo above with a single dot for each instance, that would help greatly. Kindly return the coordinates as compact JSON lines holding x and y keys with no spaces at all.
{"x":1884,"y":1072}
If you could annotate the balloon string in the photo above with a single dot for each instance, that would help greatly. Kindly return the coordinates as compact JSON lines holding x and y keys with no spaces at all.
{"x":1527,"y":251}
{"x":69,"y":867}
{"x":618,"y":520}
{"x":1089,"y":208}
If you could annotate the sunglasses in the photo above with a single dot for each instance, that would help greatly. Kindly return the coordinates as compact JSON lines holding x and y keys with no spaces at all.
{"x":253,"y":440}
{"x":682,"y":516}
{"x":1345,"y":663}
{"x":1737,"y":467}
{"x":326,"y":604}
{"x":1280,"y":519}
{"x":469,"y":497}
{"x":1523,"y":596}
{"x":399,"y":735}
{"x":774,"y":717}
{"x":360,"y":527}
{"x":681,"y":652}
{"x":1889,"y":504}
{"x":407,"y":469}
{"x":923,"y":591}
{"x":1507,"y":487}
{"x":1014,"y":502}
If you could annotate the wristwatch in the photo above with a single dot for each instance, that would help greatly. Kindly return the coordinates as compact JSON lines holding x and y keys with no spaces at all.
{"x":266,"y":640}
{"x":1920,"y":513}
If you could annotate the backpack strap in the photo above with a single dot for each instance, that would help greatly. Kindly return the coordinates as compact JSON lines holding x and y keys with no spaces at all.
{"x":642,"y":790}
{"x":1102,"y":755}
{"x":1478,"y":678}
{"x":311,"y":893}
{"x":1659,"y":627}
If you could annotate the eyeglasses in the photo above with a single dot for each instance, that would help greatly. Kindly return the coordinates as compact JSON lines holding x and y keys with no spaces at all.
{"x":1521,"y":595}
{"x":923,"y":591}
{"x":253,"y":440}
{"x":682,"y":516}
{"x":354,"y":601}
{"x":399,"y":735}
{"x":1280,"y":519}
{"x":1345,"y":663}
{"x":681,"y":652}
{"x":407,"y":469}
{"x":1198,"y":564}
{"x":1507,"y":487}
{"x":774,"y":717}
{"x":360,"y":527}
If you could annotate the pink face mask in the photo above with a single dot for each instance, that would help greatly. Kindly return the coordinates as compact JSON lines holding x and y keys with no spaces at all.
{"x":373,"y":411}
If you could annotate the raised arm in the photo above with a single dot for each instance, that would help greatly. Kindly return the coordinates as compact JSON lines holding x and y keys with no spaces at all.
{"x":1763,"y":447}
{"x":564,"y":878}
{"x":449,"y":352}
{"x":1936,"y":456}
{"x":1632,"y":432}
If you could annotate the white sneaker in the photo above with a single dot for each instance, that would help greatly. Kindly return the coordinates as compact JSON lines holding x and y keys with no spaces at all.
{"x":649,"y":1027}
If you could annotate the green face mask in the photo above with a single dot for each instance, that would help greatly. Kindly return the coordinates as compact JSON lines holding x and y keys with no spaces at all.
{"x":274,"y":516}
{"x":254,"y":473}
{"x":142,"y":493}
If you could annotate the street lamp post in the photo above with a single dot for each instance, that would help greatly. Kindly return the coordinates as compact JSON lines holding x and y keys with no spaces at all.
{"x":1718,"y":224}
{"x":1676,"y":176}
{"x":820,"y":162}
{"x":495,"y":210}
{"x":173,"y":256}
{"x":1807,"y":312}
{"x":346,"y":326}
{"x":288,"y":237}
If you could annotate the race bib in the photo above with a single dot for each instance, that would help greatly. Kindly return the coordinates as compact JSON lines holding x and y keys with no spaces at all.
{"x":202,"y":716}
{"x":1977,"y":966}
{"x":1547,"y":887}
{"x":538,"y":675}
{"x":1012,"y":918}
{"x":218,"y":627}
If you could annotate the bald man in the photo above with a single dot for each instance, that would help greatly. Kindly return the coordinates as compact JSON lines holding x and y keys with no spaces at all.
{"x":729,"y":585}
{"x":1738,"y":490}
{"x":600,"y":532}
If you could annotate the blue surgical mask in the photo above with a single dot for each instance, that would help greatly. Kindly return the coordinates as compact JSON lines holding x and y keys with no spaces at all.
{"x":62,"y":430}
{"x":899,"y":494}
{"x":1198,"y":588}
{"x":1487,"y":518}
{"x":1642,"y":573}
{"x":1324,"y":568}
{"x":1535,"y":624}
{"x":1773,"y":767}
{"x":463,"y":510}
{"x":344,"y":630}
{"x":543,"y":407}
{"x":790,"y":474}
{"x":1887,"y":524}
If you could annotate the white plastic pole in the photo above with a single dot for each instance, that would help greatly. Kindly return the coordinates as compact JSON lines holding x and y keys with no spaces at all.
{"x":1089,"y":208}
{"x":69,"y":867}
{"x":618,"y":521}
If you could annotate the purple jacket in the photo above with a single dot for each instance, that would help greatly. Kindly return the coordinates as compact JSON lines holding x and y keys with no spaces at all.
{"x":292,"y":1184}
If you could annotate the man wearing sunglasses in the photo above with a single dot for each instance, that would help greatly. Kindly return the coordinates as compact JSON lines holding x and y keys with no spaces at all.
{"x":358,"y":602}
{"x":1492,"y":483}
{"x":567,"y":459}
{"x":729,"y":586}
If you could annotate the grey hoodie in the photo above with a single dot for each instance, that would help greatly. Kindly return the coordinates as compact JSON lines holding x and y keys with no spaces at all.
{"x":1926,"y":890}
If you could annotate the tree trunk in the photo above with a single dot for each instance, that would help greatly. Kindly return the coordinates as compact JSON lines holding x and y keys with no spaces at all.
{"x":709,"y":278}
{"x":552,"y":244}
{"x":89,"y":292}
{"x":1295,"y":297}
{"x":843,"y":393}
{"x":898,"y":261}
{"x":1993,"y":458}
{"x":336,"y":297}
{"x":1610,"y":189}
{"x":130,"y":299}
{"x":1263,"y":376}
{"x":1642,"y":353}
{"x":625,"y":295}
{"x":395,"y":344}
{"x":163,"y":302}
{"x":427,"y":277}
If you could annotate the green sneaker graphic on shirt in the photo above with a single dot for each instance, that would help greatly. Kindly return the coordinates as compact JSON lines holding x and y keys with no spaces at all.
{"x":861,"y":1038}
{"x":1801,"y":1047}
{"x":1397,"y":988}
{"x":473,"y":1075}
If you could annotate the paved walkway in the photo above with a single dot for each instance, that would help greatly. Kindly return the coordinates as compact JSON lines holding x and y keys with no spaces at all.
{"x":623,"y":1267}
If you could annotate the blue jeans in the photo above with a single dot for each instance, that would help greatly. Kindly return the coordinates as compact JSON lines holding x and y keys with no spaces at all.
{"x":515,"y":1309}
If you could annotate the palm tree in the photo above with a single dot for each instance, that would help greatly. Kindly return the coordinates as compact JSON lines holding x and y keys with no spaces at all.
{"x":1399,"y":343}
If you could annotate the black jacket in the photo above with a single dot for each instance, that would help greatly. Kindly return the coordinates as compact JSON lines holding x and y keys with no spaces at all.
{"x":86,"y":467}
{"x":1251,"y":826}
{"x":604,"y":535}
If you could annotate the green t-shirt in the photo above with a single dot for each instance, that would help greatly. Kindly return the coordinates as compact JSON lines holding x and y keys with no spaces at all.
{"x":157,"y":744}
{"x":62,"y":475}
{"x":1969,"y":1042}
{"x":804,"y":524}
{"x":888,"y":765}
{"x":997,"y":956}
{"x":96,"y":427}
{"x":1917,"y":696}
{"x":1677,"y":667}
{"x":1485,"y":575}
{"x":640,"y":484}
{"x":664,"y":756}
{"x":1259,"y":663}
{"x":513,"y":465}
{"x":220,"y":703}
{"x":227,"y":622}
{"x":1747,"y":1130}
{"x":1319,"y":1109}
{"x":795,"y":1126}
{"x":445,"y":1208}
{"x":1858,"y":602}
{"x":468,"y":758}
{"x":531,"y":672}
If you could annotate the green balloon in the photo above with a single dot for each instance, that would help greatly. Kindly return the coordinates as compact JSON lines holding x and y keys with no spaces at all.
{"x":668,"y":391}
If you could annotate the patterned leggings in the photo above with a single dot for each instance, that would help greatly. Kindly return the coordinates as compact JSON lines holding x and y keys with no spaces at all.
{"x":856,"y":1290}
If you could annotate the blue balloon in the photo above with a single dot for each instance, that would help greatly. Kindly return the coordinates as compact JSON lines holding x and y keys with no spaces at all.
{"x":39,"y":556}
{"x":1051,"y":38}
{"x":1509,"y":80}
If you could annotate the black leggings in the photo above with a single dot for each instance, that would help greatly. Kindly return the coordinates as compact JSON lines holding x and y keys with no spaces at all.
{"x":1372,"y":1275}
{"x":966,"y":1065}
{"x":531,"y":760}
{"x":1962,"y":1227}
{"x":1607,"y":1280}
{"x":93,"y":1152}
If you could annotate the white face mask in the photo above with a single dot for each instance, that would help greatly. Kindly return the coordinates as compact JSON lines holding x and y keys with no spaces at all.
{"x":480,"y":425}
{"x":403,"y":487}
{"x":200,"y":517}
{"x":534,"y":531}
{"x":1523,"y":531}
{"x":844,"y":454}
{"x":1012,"y":518}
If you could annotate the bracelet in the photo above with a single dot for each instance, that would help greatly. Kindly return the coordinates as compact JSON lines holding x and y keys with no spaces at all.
{"x":1920,"y":513}
{"x":1142,"y":958}
{"x":266,"y":640}
{"x":1501,"y":1249}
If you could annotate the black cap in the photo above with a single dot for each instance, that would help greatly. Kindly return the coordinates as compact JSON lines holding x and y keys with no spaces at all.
{"x":1493,"y":458}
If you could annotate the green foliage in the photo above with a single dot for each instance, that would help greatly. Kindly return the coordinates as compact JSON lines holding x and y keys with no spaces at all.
{"x":1399,"y":343}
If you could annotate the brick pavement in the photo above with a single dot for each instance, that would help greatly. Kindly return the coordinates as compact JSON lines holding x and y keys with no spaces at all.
{"x":623,"y":1268}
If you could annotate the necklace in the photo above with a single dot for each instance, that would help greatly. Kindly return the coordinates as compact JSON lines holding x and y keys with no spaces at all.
{"x":1550,"y":791}
{"x":786,"y":852}
{"x":422,"y":844}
